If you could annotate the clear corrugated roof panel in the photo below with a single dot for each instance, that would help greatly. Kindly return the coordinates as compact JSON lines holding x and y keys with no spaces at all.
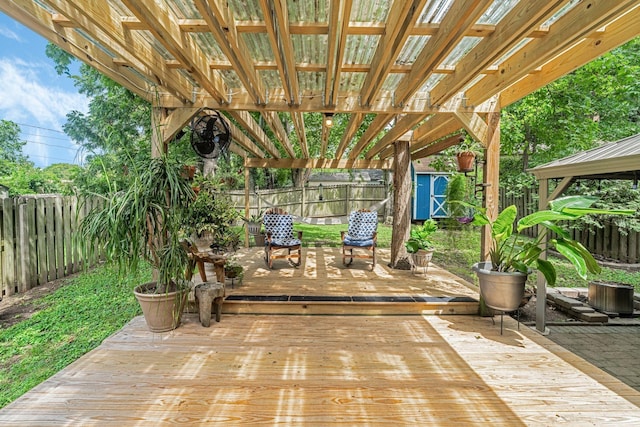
{"x":434,"y":11}
{"x":511,"y":51}
{"x":259,"y":46}
{"x":310,"y":48}
{"x":311,"y":81}
{"x":231,"y":78}
{"x":458,"y":52}
{"x":431,"y":82}
{"x":271,"y":78}
{"x":359,"y":49}
{"x":351,"y":82}
{"x":497,"y":11}
{"x":209,"y":46}
{"x":183,"y":9}
{"x":246,"y":10}
{"x":392,"y":81}
{"x":411,"y":49}
{"x":375,"y":11}
{"x":566,"y":8}
{"x":308,"y":11}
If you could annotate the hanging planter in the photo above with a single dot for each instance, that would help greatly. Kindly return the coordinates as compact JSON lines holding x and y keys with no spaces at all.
{"x":465,"y":161}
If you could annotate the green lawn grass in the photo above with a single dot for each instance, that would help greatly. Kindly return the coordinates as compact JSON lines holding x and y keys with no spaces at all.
{"x":71,"y":321}
{"x":80,"y":315}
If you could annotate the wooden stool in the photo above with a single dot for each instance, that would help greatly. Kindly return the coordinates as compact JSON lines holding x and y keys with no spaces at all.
{"x":209,"y":293}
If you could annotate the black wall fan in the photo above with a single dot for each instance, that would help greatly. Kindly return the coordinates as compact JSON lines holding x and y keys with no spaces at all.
{"x":210,"y":135}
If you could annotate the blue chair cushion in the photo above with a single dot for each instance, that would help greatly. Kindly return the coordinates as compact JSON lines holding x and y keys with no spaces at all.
{"x":285,"y":242}
{"x":348,"y":241}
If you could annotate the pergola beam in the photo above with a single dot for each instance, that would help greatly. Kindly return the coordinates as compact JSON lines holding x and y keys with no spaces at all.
{"x":437,"y":147}
{"x":245,"y":119}
{"x":165,"y":29}
{"x":461,"y":16}
{"x":598,"y":43}
{"x":340,"y":10}
{"x":42,"y":22}
{"x":579,"y":22}
{"x":94,"y":19}
{"x":401,"y":19}
{"x":518,"y":23}
{"x":355,"y":120}
{"x":375,"y":127}
{"x":405,"y":124}
{"x":318,"y":163}
{"x":234,"y":48}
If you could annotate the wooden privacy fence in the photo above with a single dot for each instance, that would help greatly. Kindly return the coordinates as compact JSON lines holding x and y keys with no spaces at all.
{"x":37,"y":242}
{"x":317,"y":202}
{"x":609,"y":242}
{"x":38,"y":233}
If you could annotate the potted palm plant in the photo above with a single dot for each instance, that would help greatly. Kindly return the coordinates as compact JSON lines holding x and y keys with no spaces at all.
{"x":142,"y":222}
{"x":513,"y":256}
{"x":420,"y":245}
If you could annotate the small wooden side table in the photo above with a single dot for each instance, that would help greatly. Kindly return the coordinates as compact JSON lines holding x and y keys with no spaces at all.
{"x":199,"y":258}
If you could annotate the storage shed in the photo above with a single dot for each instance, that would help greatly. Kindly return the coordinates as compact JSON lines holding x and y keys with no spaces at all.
{"x":429,"y":187}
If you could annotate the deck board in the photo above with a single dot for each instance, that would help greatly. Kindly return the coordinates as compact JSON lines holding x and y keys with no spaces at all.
{"x":330,"y":369}
{"x":326,"y":370}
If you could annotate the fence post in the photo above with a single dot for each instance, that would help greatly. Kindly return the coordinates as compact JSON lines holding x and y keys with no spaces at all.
{"x":8,"y":246}
{"x":41,"y":240}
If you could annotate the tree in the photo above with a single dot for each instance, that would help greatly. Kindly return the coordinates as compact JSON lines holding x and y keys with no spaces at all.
{"x":10,"y":145}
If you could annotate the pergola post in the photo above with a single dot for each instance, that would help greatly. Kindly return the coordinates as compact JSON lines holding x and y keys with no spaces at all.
{"x":246,"y":206}
{"x":401,"y":200}
{"x":158,"y":145}
{"x":490,"y":179}
{"x":541,"y":284}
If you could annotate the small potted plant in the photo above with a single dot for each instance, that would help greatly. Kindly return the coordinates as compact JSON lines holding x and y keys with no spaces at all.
{"x":233,"y":270}
{"x":420,"y":245}
{"x":210,"y":218}
{"x":466,"y":156}
{"x":254,"y":224}
{"x":513,"y":256}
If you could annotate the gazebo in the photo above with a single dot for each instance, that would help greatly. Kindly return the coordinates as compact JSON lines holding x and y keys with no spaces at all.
{"x":425,"y":68}
{"x":613,"y":160}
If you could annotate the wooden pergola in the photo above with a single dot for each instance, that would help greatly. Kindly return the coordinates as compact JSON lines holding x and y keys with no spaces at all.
{"x":424,"y":68}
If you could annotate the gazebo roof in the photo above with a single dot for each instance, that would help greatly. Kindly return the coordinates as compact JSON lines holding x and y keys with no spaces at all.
{"x":427,"y":66}
{"x":613,"y":160}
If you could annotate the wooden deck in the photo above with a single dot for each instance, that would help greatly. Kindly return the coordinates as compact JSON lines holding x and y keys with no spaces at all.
{"x":323,"y":285}
{"x":330,"y":369}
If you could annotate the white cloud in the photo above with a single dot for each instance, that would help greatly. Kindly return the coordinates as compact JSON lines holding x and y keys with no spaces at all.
{"x":27,"y":98}
{"x":5,"y":32}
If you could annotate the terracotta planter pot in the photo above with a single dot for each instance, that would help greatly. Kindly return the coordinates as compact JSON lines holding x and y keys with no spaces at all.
{"x":163,"y":311}
{"x":466,"y":161}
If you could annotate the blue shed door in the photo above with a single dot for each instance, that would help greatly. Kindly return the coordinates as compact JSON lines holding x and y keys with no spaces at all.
{"x":438,"y":196}
{"x":422,"y":197}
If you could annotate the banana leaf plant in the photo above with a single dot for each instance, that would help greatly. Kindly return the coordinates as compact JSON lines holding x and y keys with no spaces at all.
{"x":514,"y":252}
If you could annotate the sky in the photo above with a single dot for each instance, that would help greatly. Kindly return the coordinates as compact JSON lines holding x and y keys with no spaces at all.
{"x":35,"y":97}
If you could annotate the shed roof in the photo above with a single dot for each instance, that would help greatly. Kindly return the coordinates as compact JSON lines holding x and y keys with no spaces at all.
{"x":613,"y":160}
{"x":430,"y":66}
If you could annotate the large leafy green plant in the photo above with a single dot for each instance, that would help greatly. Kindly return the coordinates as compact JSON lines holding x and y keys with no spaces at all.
{"x":420,"y":237}
{"x":515,"y":252}
{"x":143,"y":221}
